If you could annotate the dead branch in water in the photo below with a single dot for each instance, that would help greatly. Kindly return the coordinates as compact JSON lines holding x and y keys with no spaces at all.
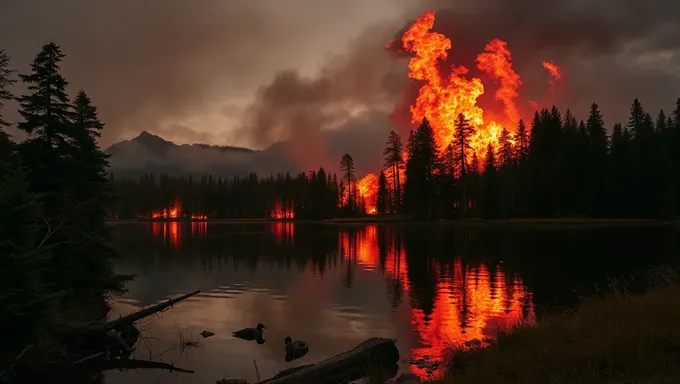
{"x":142,"y":313}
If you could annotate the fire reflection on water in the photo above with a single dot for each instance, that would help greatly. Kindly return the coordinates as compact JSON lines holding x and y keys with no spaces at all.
{"x":465,"y":301}
{"x":470,"y":301}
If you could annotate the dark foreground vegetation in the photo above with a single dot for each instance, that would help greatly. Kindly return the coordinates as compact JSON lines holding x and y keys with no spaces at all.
{"x":618,"y":338}
{"x":559,"y":168}
{"x":54,"y":198}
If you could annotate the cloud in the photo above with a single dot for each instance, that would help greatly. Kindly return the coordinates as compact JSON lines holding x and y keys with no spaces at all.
{"x":150,"y":64}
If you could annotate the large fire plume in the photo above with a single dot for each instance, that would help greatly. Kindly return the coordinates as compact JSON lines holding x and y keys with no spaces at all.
{"x":444,"y":95}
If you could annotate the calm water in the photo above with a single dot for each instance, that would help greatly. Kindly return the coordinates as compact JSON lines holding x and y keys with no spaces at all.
{"x":334,"y":287}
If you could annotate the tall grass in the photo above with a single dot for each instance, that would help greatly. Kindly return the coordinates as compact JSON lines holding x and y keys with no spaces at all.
{"x":617,"y":337}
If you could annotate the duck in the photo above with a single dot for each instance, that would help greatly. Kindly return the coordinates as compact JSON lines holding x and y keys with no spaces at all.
{"x":250,"y":333}
{"x":295,"y":349}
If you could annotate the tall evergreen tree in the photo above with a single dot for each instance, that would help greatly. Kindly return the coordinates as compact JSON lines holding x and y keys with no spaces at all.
{"x":597,"y":157}
{"x":47,"y":114}
{"x":94,"y":195}
{"x":6,"y":81}
{"x":462,"y":134}
{"x":421,"y":169}
{"x":347,"y":166}
{"x":490,"y":189}
{"x":395,"y":163}
{"x":383,"y":195}
{"x":25,"y":299}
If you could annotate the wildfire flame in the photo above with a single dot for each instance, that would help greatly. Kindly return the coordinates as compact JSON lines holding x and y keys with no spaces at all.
{"x":367,"y":189}
{"x":554,"y":70}
{"x":283,"y":211}
{"x":442,"y":98}
{"x":172,"y":212}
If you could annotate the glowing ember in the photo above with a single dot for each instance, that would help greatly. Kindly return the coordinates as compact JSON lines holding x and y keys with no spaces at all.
{"x":283,"y":211}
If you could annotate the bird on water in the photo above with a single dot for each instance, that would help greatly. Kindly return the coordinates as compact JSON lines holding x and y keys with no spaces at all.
{"x":295,"y":349}
{"x":250,"y":333}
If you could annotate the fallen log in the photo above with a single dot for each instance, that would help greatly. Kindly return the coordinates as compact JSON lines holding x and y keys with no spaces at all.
{"x":134,"y":364}
{"x":142,"y":313}
{"x":374,"y":356}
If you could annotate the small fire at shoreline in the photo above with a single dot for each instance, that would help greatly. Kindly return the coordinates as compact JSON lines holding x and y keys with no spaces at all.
{"x":174,"y":212}
{"x":283,"y":210}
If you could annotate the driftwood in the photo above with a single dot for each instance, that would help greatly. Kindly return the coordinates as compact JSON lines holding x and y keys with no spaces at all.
{"x":107,"y":365}
{"x":142,"y":313}
{"x":375,"y":355}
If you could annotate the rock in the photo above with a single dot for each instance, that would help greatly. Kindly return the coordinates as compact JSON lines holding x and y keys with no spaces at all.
{"x":206,"y":334}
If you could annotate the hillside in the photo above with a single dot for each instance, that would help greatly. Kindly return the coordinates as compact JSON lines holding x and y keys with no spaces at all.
{"x":152,"y":153}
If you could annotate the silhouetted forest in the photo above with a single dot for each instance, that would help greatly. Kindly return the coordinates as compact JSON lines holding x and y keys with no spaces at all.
{"x":54,"y":199}
{"x":555,"y":167}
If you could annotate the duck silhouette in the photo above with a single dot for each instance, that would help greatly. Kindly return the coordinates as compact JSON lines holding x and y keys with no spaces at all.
{"x":295,"y":349}
{"x":251,"y":333}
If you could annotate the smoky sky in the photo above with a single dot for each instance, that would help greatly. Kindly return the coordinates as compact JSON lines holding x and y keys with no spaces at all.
{"x":318,"y":73}
{"x":178,"y":68}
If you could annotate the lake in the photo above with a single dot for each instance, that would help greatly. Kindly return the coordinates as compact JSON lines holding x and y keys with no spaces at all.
{"x":335,"y":286}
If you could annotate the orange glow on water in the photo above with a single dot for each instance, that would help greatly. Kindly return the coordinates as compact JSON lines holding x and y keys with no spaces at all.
{"x":283,"y":233}
{"x":169,"y":231}
{"x":470,"y":303}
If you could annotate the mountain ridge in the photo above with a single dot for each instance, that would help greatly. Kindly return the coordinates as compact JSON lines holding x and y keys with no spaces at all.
{"x":148,"y":152}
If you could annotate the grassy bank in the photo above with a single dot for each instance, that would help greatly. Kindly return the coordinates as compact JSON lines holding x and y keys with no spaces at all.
{"x":621,"y":338}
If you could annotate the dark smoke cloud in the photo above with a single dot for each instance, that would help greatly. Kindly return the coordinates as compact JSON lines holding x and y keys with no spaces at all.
{"x":151,"y":64}
{"x":161,"y":65}
{"x":326,"y":116}
{"x":600,"y":45}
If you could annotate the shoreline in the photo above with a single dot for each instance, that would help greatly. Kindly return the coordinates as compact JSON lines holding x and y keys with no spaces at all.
{"x":620,"y":337}
{"x":527,"y":223}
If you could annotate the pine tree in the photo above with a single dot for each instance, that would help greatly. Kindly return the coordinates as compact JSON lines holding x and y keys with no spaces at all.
{"x":597,"y":157}
{"x":421,"y":168}
{"x":505,"y":150}
{"x":347,"y":166}
{"x":95,"y":198}
{"x":490,"y":189}
{"x":462,"y":134}
{"x":25,"y":300}
{"x":522,"y":142}
{"x":619,"y":175}
{"x":382,"y":198}
{"x":46,"y":115}
{"x":395,"y":163}
{"x":6,"y":81}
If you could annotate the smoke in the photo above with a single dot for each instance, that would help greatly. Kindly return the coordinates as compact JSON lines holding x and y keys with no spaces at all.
{"x":342,"y":109}
{"x":599,"y":45}
{"x":188,"y":72}
{"x":148,"y":65}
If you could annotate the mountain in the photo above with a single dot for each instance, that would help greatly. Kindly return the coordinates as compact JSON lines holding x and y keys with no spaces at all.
{"x":152,"y":153}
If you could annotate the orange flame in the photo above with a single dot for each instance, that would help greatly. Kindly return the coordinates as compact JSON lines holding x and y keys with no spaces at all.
{"x":367,"y":190}
{"x":172,"y":212}
{"x":554,"y":70}
{"x":283,"y":211}
{"x":497,"y":62}
{"x":442,"y":98}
